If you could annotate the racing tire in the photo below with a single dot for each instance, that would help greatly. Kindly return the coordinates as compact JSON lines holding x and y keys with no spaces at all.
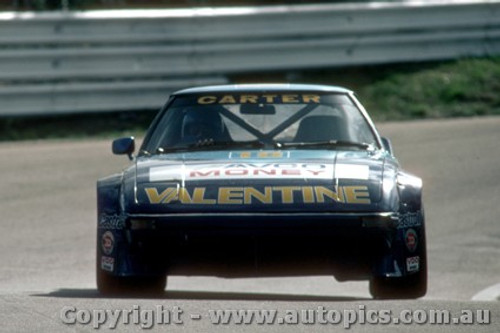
{"x":407,"y":287}
{"x":130,"y":286}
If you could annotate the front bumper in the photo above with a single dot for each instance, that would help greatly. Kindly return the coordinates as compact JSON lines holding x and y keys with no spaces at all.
{"x":350,"y":246}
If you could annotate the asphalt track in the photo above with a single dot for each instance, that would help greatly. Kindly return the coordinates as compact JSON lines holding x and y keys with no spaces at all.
{"x":47,"y":231}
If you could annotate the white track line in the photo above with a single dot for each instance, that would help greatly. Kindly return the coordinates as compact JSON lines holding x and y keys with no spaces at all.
{"x":489,"y":294}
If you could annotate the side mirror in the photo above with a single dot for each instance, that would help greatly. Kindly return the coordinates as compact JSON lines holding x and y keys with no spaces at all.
{"x":387,"y":145}
{"x":124,"y":146}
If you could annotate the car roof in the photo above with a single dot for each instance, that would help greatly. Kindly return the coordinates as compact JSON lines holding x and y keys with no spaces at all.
{"x":282,"y":87}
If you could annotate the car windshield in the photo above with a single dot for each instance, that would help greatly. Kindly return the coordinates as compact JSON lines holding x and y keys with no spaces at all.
{"x":293,"y":120}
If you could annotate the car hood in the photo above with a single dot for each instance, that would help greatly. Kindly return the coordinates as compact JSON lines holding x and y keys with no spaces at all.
{"x":253,"y":181}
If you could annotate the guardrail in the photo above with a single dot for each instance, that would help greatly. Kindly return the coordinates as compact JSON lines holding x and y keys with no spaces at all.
{"x":94,"y":61}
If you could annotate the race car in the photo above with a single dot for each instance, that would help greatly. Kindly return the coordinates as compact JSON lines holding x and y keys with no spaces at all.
{"x":261,"y":180}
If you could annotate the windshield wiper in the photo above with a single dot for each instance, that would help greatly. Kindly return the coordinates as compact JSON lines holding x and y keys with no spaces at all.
{"x":240,"y":144}
{"x":211,"y":145}
{"x":327,"y":144}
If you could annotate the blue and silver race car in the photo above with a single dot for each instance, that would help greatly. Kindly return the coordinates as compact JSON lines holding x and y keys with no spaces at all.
{"x":261,"y":180}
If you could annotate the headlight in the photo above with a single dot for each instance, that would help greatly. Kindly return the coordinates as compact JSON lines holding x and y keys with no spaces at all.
{"x":142,"y":224}
{"x":387,"y":220}
{"x":409,"y":180}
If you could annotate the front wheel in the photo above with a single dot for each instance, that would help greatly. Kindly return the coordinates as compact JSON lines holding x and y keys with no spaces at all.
{"x":130,"y":286}
{"x":407,"y":287}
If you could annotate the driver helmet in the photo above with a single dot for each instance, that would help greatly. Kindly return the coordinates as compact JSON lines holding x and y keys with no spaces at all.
{"x":202,"y":123}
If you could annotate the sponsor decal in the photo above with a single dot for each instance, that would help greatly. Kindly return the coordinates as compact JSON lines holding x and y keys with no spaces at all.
{"x":111,"y":222}
{"x":260,"y":99}
{"x":107,"y":263}
{"x":258,"y":171}
{"x":263,"y":154}
{"x":411,"y":240}
{"x":108,"y":242}
{"x":410,"y":220}
{"x":413,"y":264}
{"x":351,"y":171}
{"x":247,"y":195}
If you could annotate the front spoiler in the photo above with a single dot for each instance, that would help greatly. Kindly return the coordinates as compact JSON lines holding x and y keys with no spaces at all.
{"x":261,"y":221}
{"x":349,"y":245}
